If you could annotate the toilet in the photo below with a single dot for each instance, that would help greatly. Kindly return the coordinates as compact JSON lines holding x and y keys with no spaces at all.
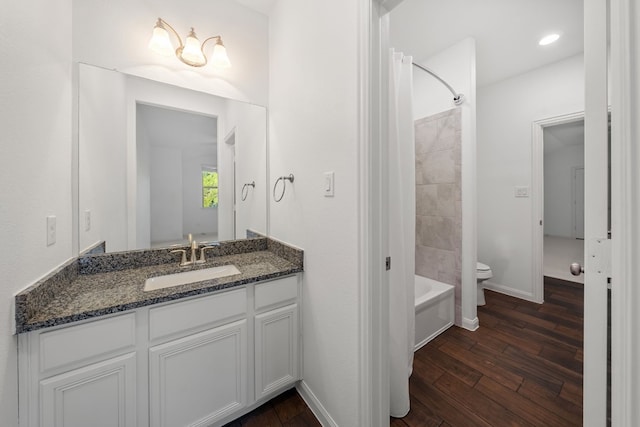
{"x":483,"y":272}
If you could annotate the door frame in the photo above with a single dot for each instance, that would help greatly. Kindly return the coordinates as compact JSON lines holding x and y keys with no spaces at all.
{"x":625,"y":202}
{"x":625,"y":156}
{"x":537,"y":196}
{"x":574,"y":200}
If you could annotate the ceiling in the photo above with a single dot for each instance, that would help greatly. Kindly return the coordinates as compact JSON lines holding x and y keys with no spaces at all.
{"x":563,"y":135}
{"x":506,"y":32}
{"x":179,"y":129}
{"x":262,"y":6}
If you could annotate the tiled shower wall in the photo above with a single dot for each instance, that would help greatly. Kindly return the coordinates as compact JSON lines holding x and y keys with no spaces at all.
{"x":439,"y":200}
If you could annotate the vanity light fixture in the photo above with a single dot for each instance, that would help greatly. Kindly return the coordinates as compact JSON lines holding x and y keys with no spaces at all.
{"x":191,"y":52}
{"x":548,"y":39}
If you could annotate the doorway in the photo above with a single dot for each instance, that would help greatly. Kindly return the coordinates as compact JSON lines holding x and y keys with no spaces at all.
{"x":563,"y":187}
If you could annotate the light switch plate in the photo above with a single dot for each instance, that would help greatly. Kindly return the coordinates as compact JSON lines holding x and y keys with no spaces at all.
{"x":51,"y":230}
{"x":328,"y":184}
{"x":522,"y":191}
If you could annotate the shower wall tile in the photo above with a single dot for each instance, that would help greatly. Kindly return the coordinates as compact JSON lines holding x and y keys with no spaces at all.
{"x":457,"y":151}
{"x":446,"y":260}
{"x":425,"y":266}
{"x":426,"y":199}
{"x":438,"y":200}
{"x":458,"y":191}
{"x":435,"y":167}
{"x":447,"y":277}
{"x":449,"y":125}
{"x":436,"y":232}
{"x":446,"y":203}
{"x":426,"y":132}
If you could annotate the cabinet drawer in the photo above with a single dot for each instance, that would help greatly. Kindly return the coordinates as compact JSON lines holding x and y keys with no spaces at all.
{"x":196,"y":313}
{"x":275,"y":293}
{"x":88,"y":341}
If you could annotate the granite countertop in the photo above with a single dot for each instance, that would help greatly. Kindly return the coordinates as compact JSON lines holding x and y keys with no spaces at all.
{"x":98,"y":285}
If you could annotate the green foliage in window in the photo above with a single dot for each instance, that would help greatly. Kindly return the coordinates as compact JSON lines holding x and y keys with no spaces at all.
{"x":209,"y":189}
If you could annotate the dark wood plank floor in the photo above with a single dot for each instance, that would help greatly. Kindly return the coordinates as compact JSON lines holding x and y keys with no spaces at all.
{"x":286,"y":410}
{"x":522,"y":367}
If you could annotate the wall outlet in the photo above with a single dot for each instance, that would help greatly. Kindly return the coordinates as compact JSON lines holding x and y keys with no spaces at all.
{"x":51,"y":230}
{"x":328,"y":184}
{"x":87,"y":220}
{"x":522,"y":191}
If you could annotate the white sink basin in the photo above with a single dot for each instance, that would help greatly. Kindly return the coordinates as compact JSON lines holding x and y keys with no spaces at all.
{"x":192,"y":276}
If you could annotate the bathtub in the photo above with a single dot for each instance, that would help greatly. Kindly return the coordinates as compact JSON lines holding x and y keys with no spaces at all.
{"x":434,"y":309}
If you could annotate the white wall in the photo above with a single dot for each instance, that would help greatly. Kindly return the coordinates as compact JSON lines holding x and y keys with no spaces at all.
{"x":137,"y":224}
{"x":196,"y":219}
{"x":115,"y":35}
{"x":506,"y":111}
{"x":559,"y":167}
{"x":457,"y":66}
{"x":35,"y":161}
{"x":166,"y":194}
{"x":103,"y":180}
{"x":313,"y":128}
{"x":250,"y":124}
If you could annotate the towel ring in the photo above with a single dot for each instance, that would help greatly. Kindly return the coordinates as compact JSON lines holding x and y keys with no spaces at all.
{"x":284,"y":186}
{"x":246,"y":186}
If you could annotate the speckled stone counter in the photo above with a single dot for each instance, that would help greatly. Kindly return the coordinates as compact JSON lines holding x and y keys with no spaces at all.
{"x":96,"y":285}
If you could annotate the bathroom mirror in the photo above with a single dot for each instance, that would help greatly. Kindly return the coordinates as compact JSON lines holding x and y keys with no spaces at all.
{"x":159,"y":162}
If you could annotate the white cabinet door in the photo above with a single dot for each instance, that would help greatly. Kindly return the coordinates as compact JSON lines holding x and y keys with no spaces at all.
{"x":276,"y":349}
{"x":98,"y":395}
{"x":199,"y":379}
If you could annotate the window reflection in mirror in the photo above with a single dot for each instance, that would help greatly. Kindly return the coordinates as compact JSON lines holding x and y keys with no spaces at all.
{"x":156,"y":163}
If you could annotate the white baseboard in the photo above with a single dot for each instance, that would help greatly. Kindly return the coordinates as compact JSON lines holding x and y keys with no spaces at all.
{"x":470,"y":324}
{"x":314,"y":404}
{"x":510,"y":291}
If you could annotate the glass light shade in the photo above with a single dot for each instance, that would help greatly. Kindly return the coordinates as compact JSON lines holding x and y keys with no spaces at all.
{"x":219,"y":59}
{"x":192,"y":52}
{"x":160,"y":42}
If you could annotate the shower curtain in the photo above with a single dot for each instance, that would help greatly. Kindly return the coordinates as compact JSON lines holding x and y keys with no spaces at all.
{"x":401,"y":231}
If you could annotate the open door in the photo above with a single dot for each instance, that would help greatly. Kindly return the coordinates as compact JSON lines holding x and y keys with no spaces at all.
{"x":597,"y":246}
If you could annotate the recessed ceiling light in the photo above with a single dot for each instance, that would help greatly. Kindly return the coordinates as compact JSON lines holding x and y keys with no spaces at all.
{"x":548,"y":39}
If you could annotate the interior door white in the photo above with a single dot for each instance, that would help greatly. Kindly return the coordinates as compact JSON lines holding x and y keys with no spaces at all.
{"x":597,"y":247}
{"x":578,"y":203}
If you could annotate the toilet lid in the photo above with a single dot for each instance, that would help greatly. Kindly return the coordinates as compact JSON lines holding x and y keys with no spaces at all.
{"x":482,"y":267}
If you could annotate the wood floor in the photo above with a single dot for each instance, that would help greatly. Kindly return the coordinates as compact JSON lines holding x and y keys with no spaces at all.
{"x":522,"y":367}
{"x":286,"y":410}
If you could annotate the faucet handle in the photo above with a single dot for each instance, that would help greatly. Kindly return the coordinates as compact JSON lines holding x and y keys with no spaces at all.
{"x":203,"y":250}
{"x":183,"y":261}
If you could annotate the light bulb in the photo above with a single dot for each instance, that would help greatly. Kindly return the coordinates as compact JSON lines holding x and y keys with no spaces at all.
{"x":192,"y":52}
{"x":160,"y":42}
{"x":219,"y":58}
{"x":548,"y":39}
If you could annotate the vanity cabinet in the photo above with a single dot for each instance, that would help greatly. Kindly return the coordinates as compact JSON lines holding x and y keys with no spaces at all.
{"x":79,"y":376}
{"x":101,"y":394}
{"x":200,"y":361}
{"x":200,"y":377}
{"x":276,"y":336}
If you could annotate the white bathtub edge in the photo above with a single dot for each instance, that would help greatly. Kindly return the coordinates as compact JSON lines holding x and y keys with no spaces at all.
{"x":424,"y":342}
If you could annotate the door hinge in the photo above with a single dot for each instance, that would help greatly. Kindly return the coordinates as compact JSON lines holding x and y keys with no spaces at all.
{"x":599,"y":254}
{"x":387,"y":263}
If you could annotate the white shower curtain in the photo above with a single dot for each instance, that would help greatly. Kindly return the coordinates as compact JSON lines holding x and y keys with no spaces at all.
{"x":401,"y":231}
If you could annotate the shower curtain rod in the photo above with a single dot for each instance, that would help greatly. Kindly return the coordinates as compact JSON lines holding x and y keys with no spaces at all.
{"x":457,"y":97}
